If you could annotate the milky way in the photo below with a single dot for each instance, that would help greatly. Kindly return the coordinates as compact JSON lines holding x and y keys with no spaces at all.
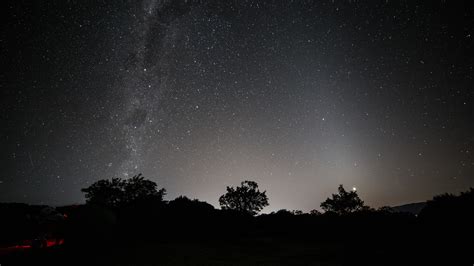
{"x":299,"y":96}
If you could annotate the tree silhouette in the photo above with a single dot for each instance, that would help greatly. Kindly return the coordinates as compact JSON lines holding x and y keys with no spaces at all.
{"x":344,"y":202}
{"x":182,"y":205}
{"x":449,"y":206}
{"x":244,"y":198}
{"x":117,"y":192}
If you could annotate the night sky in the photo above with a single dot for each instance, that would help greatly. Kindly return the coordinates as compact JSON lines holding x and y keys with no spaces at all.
{"x":300,"y":96}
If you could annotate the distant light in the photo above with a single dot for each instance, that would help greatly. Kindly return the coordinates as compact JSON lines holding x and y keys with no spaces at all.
{"x":354,"y":189}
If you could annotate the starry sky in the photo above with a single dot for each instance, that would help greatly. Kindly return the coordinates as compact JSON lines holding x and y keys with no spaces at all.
{"x":299,"y":96}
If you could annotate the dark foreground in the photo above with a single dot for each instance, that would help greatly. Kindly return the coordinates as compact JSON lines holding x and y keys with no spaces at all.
{"x":185,"y":232}
{"x":262,"y":251}
{"x":355,"y":244}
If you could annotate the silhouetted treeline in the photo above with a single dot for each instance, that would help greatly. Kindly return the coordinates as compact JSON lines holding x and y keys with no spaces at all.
{"x":145,"y":217}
